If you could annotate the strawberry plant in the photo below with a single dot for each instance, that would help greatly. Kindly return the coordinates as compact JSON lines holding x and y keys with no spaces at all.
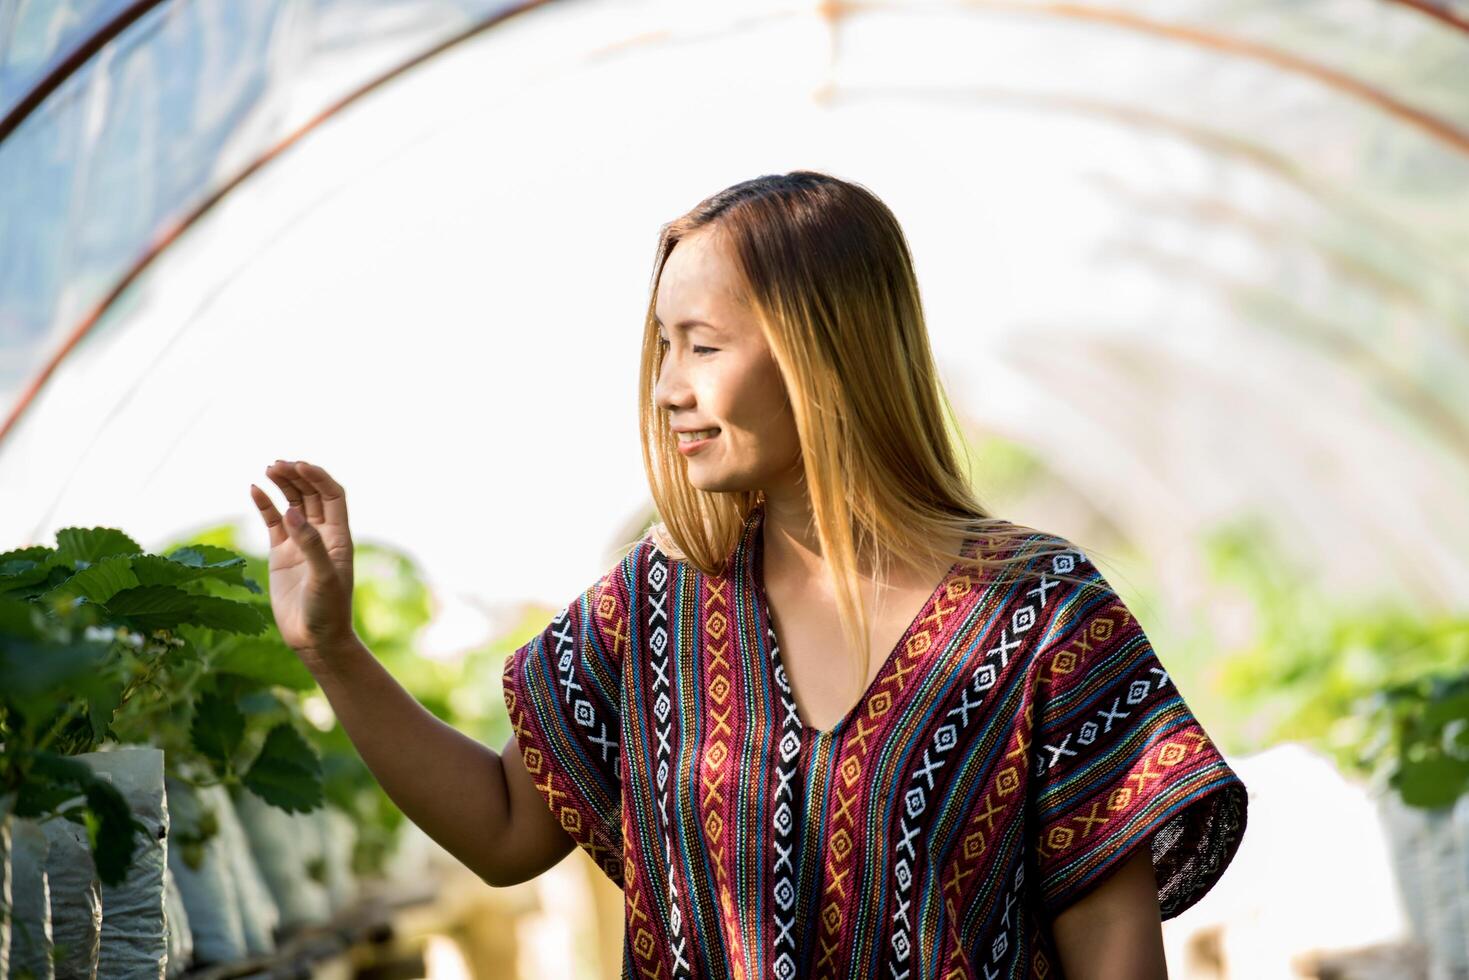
{"x":100,"y":641}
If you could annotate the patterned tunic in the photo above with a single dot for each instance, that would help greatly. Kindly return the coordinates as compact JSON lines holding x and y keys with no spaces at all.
{"x":1019,"y":743}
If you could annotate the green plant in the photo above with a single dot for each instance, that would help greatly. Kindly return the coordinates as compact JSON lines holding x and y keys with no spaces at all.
{"x":47,"y":665}
{"x":391,"y":605}
{"x":1419,"y":734}
{"x":1382,"y":688}
{"x":102,"y":641}
{"x":270,"y":684}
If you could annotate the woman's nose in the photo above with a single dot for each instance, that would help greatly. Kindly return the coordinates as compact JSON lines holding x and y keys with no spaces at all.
{"x":671,"y":390}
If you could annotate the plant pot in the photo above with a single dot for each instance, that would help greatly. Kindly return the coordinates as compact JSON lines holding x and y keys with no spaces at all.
{"x":259,"y":915}
{"x":76,"y":899}
{"x":1429,"y":864}
{"x":338,"y":839}
{"x":5,"y":836}
{"x":30,"y":904}
{"x":176,"y":924}
{"x":287,"y":847}
{"x":202,"y":873}
{"x":134,"y":940}
{"x":1461,"y":839}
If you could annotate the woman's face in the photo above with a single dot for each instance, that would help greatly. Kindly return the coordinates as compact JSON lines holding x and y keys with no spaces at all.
{"x":718,"y":373}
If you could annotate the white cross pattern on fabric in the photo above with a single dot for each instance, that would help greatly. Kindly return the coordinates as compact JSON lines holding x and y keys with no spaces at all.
{"x":657,"y":617}
{"x":782,"y":965}
{"x":984,"y":677}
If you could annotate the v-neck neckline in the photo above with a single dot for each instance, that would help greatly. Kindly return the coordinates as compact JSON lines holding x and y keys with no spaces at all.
{"x":754,"y":568}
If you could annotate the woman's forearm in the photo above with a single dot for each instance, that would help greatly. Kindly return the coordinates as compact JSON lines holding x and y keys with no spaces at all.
{"x":447,"y":783}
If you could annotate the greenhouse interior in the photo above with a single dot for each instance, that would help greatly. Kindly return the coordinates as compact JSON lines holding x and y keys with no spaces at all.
{"x":1196,"y":281}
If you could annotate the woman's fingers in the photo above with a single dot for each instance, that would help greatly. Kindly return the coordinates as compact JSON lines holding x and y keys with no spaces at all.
{"x":310,"y":496}
{"x":308,"y":539}
{"x":283,"y":478}
{"x":273,"y":522}
{"x":310,"y":490}
{"x":333,"y":497}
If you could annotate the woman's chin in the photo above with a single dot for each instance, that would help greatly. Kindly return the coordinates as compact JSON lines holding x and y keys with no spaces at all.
{"x":710,"y":481}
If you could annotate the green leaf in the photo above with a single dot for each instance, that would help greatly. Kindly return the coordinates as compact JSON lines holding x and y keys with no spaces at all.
{"x":216,"y":545}
{"x":217,"y":729}
{"x":56,"y":573}
{"x":1452,"y":707}
{"x":61,"y":769}
{"x":202,"y":555}
{"x":92,"y":544}
{"x":151,"y":607}
{"x":263,"y":659}
{"x":261,"y":701}
{"x":24,"y":567}
{"x":103,"y":704}
{"x":111,"y":828}
{"x":98,"y":582}
{"x":40,"y":795}
{"x":30,"y":669}
{"x":114,"y":838}
{"x":287,"y":773}
{"x":1435,"y":781}
{"x":194,"y":562}
{"x":220,"y":613}
{"x":19,"y":618}
{"x":35,"y":554}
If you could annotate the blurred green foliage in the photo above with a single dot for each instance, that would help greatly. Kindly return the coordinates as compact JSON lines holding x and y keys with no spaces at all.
{"x":391,"y":606}
{"x":1381,"y":688}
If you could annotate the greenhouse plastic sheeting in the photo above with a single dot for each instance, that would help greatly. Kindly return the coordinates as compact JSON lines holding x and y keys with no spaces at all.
{"x":141,"y":131}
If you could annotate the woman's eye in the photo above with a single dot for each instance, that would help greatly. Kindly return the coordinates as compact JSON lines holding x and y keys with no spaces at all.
{"x":663,"y":343}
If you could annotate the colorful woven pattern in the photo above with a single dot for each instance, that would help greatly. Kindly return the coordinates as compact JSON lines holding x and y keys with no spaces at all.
{"x":1020,"y":742}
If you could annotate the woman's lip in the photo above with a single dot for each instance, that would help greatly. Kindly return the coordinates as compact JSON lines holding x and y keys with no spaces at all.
{"x":696,"y":445}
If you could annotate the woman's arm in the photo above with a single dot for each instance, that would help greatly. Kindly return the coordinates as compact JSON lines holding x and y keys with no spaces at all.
{"x":482,"y":807}
{"x":1114,"y":931}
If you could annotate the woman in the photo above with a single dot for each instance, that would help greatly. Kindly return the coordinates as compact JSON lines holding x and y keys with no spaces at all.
{"x":961,"y":757}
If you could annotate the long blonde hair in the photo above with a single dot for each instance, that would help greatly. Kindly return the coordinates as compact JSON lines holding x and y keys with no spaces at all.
{"x":830,"y":280}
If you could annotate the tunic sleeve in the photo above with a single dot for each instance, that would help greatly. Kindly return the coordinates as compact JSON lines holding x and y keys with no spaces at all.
{"x":1119,"y":762}
{"x":563,"y":694}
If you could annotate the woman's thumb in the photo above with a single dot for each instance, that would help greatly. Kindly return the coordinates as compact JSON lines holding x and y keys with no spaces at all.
{"x":308,"y":539}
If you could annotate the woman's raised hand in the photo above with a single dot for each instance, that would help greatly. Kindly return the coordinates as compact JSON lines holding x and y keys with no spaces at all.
{"x":310,"y":559}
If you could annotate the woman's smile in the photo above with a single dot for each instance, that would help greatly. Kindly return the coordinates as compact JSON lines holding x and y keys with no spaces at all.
{"x":714,"y":362}
{"x":692,"y":442}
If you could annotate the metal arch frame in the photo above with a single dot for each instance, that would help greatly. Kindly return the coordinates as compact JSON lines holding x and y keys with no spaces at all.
{"x":832,"y":11}
{"x":69,"y":63}
{"x":1438,"y":12}
{"x":1441,"y":129}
